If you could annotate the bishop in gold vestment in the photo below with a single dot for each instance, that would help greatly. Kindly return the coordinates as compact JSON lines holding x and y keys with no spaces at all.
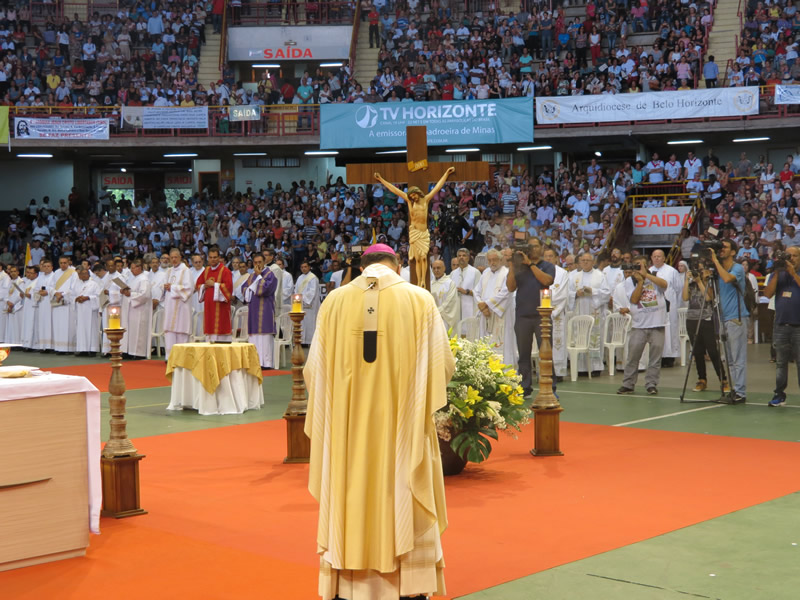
{"x":377,"y":370}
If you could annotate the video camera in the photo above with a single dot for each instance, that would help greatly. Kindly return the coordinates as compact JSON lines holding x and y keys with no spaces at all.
{"x":779,"y":260}
{"x":630,"y":266}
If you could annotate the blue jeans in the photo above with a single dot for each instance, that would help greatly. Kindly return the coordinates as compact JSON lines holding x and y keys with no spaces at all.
{"x":736,"y":350}
{"x":787,"y":342}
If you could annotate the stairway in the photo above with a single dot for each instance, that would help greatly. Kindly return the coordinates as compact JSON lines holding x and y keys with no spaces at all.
{"x":722,"y":40}
{"x":366,"y":66}
{"x":208,"y":65}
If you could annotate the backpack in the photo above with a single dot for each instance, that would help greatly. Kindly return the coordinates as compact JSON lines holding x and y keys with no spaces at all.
{"x":750,"y":301}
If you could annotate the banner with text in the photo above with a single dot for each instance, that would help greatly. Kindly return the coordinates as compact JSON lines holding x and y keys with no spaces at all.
{"x":245,"y":113}
{"x":648,"y":106}
{"x":787,"y":94}
{"x":661,"y":220}
{"x":60,"y":129}
{"x":165,"y":117}
{"x":461,"y":122}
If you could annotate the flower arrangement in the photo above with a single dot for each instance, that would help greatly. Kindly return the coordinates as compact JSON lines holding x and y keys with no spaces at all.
{"x":483,"y":397}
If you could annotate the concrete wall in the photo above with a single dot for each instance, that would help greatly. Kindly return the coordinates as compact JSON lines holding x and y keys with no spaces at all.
{"x":28,"y":178}
{"x":314,"y":169}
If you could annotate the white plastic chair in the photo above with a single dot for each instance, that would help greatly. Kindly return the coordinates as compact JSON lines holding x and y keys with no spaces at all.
{"x":157,"y":339}
{"x":535,"y":356}
{"x":683,"y":334}
{"x":469,"y":328}
{"x":198,"y":330}
{"x":579,"y":330}
{"x":239,"y":325}
{"x":283,"y":337}
{"x":619,"y":326}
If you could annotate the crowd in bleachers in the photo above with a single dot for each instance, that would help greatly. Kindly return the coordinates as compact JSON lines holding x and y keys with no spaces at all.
{"x":767,"y":53}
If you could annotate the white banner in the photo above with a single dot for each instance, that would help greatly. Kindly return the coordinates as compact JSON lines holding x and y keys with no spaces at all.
{"x":166,"y":117}
{"x":60,"y":129}
{"x":648,"y":106}
{"x":661,"y":220}
{"x":787,"y":94}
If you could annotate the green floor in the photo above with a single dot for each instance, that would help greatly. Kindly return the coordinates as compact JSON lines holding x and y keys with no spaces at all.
{"x":752,"y":554}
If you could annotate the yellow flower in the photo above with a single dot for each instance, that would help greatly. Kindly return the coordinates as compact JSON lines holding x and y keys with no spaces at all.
{"x":516,"y":399}
{"x":472,"y":396}
{"x":520,"y":391}
{"x":495,"y":365}
{"x":506,"y":389}
{"x":511,"y":373}
{"x":467,"y":412}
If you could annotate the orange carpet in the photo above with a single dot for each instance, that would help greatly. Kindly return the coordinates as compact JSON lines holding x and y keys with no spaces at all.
{"x":228,"y":520}
{"x":148,"y":374}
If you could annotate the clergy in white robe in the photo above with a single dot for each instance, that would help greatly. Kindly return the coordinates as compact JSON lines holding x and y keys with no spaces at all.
{"x":240,"y":276}
{"x":63,"y":311}
{"x":137,"y":312}
{"x":287,"y":286}
{"x":466,"y":277}
{"x":673,"y":295}
{"x":510,"y":351}
{"x":307,"y":285}
{"x":559,"y":298}
{"x":589,"y":296}
{"x":30,"y":309}
{"x":269,"y":258}
{"x":197,"y":269}
{"x":491,"y":296}
{"x":614,"y":276}
{"x":116,"y":281}
{"x":178,"y":292}
{"x":13,"y":302}
{"x":158,"y":276}
{"x":85,"y":296}
{"x":44,"y":314}
{"x":445,"y":294}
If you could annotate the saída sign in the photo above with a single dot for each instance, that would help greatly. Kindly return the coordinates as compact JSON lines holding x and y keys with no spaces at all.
{"x":661,"y":220}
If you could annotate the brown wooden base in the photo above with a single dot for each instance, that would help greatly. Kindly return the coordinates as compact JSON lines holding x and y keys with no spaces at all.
{"x":38,"y":560}
{"x":546,"y":440}
{"x":298,"y":446}
{"x":121,"y":486}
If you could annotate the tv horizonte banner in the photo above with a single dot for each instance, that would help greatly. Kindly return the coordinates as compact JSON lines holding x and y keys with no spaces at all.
{"x":449,"y":123}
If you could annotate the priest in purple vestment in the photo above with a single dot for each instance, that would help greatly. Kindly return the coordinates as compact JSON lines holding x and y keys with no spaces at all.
{"x":259,"y":293}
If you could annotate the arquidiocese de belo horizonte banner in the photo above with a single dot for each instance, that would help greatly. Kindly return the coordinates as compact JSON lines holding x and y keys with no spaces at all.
{"x":449,"y":123}
{"x":648,"y":106}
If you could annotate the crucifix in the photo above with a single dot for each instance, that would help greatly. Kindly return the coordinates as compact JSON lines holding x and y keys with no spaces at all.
{"x":418,"y":173}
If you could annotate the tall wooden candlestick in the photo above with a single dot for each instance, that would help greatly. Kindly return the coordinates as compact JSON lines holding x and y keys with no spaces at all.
{"x":546,"y":407}
{"x":298,"y":446}
{"x":120,"y":460}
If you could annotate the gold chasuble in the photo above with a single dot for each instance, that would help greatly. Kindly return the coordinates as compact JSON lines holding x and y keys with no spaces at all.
{"x":375,"y":467}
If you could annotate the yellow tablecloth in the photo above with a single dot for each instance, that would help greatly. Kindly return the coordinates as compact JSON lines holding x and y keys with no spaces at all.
{"x":210,"y":363}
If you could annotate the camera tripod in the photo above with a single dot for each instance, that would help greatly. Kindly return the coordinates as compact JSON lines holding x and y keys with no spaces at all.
{"x":728,"y":397}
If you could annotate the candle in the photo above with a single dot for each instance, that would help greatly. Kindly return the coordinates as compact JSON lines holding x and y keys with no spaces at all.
{"x":114,"y":320}
{"x":297,"y":303}
{"x":546,"y":301}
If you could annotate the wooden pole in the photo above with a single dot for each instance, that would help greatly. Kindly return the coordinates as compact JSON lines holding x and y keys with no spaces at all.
{"x":120,"y":460}
{"x":298,"y":446}
{"x":546,"y":407}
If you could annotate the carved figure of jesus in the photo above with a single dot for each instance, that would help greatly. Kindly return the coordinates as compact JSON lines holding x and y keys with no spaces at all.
{"x":419,"y":238}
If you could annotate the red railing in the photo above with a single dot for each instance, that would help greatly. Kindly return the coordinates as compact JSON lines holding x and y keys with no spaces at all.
{"x":290,"y":12}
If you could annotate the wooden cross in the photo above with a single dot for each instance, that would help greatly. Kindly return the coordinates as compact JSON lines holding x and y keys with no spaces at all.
{"x":417,"y":170}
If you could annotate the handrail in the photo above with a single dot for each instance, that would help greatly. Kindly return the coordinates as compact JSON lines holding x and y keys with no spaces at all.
{"x":611,"y":238}
{"x":672,"y":255}
{"x":639,"y":199}
{"x":354,"y":38}
{"x":223,"y":38}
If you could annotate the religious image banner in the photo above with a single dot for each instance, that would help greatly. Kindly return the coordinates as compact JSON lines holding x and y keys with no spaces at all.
{"x":449,"y":123}
{"x":787,"y":94}
{"x":164,"y":117}
{"x":647,"y":106}
{"x":60,"y":129}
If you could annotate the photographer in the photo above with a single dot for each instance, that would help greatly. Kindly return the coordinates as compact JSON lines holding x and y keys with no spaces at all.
{"x":699,"y":294}
{"x":530,"y":274}
{"x":784,"y":285}
{"x":648,"y":307}
{"x":734,"y":314}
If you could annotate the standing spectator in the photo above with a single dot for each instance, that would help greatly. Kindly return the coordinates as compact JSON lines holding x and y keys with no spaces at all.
{"x":700,"y":327}
{"x":711,"y":73}
{"x":784,"y":285}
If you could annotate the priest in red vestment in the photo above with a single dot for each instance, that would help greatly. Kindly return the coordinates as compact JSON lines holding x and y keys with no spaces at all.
{"x":215,"y":286}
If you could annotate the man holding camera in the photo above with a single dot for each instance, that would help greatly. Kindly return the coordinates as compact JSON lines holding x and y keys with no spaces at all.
{"x":785,"y":286}
{"x":734,"y":314}
{"x":648,"y":308}
{"x":530,"y":274}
